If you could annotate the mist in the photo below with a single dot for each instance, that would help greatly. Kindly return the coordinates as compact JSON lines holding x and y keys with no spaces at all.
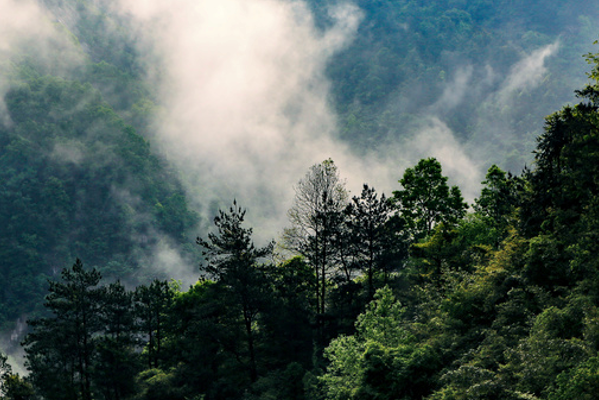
{"x":16,"y":19}
{"x":245,"y":101}
{"x":27,"y":32}
{"x":246,"y":105}
{"x":493,"y":92}
{"x":245,"y":108}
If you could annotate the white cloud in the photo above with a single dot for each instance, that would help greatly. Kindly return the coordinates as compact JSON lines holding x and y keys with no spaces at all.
{"x":527,"y":73}
{"x":165,"y":258}
{"x":435,"y":139}
{"x":245,"y":99}
{"x":19,"y":19}
{"x":28,"y":30}
{"x":455,"y":91}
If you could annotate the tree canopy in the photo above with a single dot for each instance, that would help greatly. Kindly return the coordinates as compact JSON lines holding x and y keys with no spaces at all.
{"x":412,"y":296}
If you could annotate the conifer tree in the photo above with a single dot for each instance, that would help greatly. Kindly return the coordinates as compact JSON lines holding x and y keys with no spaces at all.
{"x":232,"y":258}
{"x":152,"y":304}
{"x":60,"y":349}
{"x":375,"y":245}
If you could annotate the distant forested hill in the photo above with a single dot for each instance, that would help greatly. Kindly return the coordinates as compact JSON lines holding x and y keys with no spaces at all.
{"x":456,"y":60}
{"x":76,"y":177}
{"x":77,"y":181}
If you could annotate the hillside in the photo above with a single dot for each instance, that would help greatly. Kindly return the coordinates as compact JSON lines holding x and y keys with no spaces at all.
{"x":78,"y":180}
{"x":125,"y":129}
{"x":490,"y":71}
{"x":408,"y":297}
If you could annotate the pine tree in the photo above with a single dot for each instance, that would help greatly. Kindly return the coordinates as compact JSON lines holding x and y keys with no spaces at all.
{"x":232,"y":258}
{"x":60,"y":349}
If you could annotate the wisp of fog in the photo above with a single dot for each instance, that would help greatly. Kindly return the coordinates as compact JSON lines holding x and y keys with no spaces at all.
{"x":246,"y":104}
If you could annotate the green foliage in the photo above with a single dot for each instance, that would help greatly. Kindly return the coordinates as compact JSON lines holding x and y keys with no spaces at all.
{"x":67,"y":165}
{"x":427,"y":200}
{"x":90,"y":345}
{"x":232,"y":259}
{"x":408,"y":58}
{"x":376,"y":246}
{"x":382,"y":360}
{"x":152,"y":305}
{"x":498,"y":200}
{"x":541,"y":357}
{"x":581,"y":382}
{"x":286,"y":384}
{"x":15,"y":387}
{"x":500,"y":303}
{"x":289,"y":317}
{"x":231,"y":252}
{"x":156,"y":384}
{"x":60,"y":349}
{"x":205,"y":325}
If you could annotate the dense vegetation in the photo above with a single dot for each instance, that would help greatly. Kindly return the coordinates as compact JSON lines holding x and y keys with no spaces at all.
{"x":409,"y":297}
{"x":77,"y":179}
{"x":415,"y":295}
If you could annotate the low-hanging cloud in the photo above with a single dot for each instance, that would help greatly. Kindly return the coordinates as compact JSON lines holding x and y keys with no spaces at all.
{"x":488,"y":96}
{"x":28,"y":29}
{"x":245,"y":99}
{"x":244,"y":102}
{"x":246,"y":108}
{"x":496,"y":134}
{"x":455,"y":91}
{"x":18,"y":20}
{"x":435,"y":139}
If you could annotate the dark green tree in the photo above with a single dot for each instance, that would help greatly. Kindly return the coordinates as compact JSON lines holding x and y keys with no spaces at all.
{"x":374,"y":245}
{"x":152,"y":305}
{"x":12,"y":386}
{"x":204,"y":342}
{"x":581,"y":382}
{"x":559,"y":213}
{"x":60,"y":349}
{"x":289,"y":319}
{"x":233,"y":260}
{"x":499,"y":198}
{"x":117,"y":361}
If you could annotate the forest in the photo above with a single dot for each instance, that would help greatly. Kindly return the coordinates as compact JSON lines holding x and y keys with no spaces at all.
{"x":130,"y":274}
